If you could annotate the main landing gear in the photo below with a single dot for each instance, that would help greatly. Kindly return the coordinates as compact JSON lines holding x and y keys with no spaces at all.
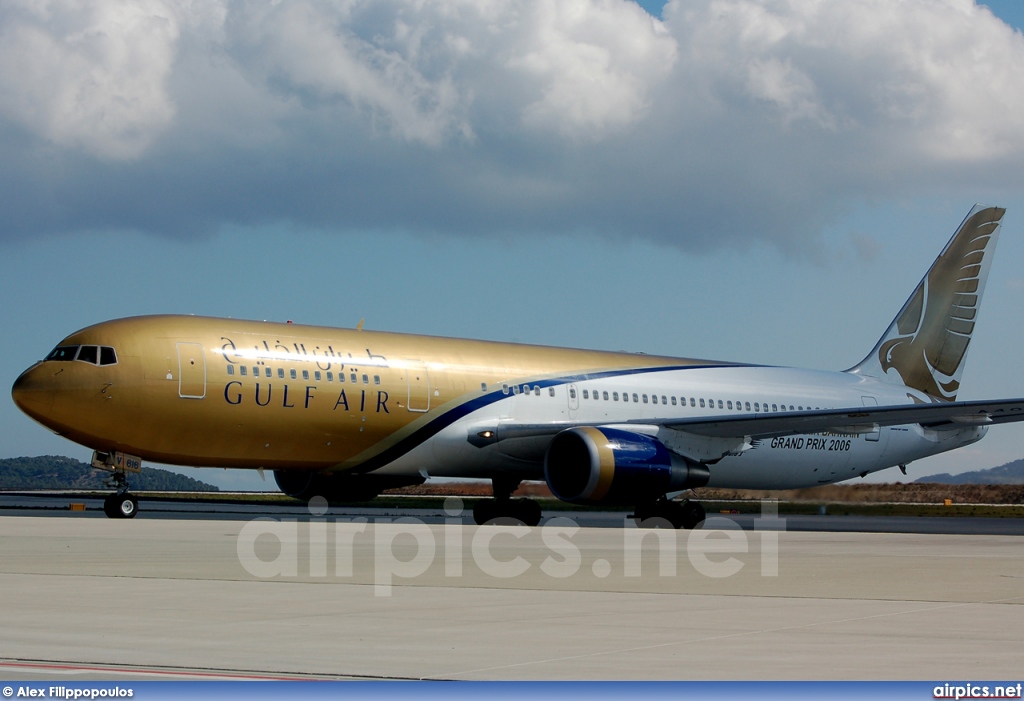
{"x":121,"y":504}
{"x":503,"y":510}
{"x":664,"y":513}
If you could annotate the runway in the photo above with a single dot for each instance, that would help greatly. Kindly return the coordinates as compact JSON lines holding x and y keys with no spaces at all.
{"x":302,"y":597}
{"x":56,"y":504}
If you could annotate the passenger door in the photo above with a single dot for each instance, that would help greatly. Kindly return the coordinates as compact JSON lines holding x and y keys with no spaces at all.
{"x":191,"y":371}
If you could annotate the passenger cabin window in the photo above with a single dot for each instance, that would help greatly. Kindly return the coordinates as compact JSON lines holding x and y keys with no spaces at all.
{"x":586,"y":394}
{"x":645,"y":399}
{"x":293,"y":375}
{"x":305,"y":374}
{"x":615,"y":396}
{"x":376,"y":379}
{"x":551,"y":391}
{"x":605,"y":396}
{"x":572,"y":393}
{"x":728,"y":404}
{"x":266,"y":371}
{"x":654,"y":399}
{"x":483,"y":386}
{"x":330,"y":376}
{"x":316,"y":375}
{"x":536,"y":390}
{"x":231,"y":369}
{"x":63,"y":353}
{"x":366,"y":380}
{"x":665,"y":401}
{"x":242,"y":370}
{"x":634,"y":396}
{"x":280,"y":373}
{"x":673,"y":401}
{"x":691,"y":402}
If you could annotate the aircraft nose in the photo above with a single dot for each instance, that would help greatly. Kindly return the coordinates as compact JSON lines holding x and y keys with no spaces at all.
{"x":33,"y":393}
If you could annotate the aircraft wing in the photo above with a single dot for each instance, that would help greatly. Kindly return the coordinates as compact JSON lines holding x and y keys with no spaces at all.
{"x":850,"y":420}
{"x":945,"y":415}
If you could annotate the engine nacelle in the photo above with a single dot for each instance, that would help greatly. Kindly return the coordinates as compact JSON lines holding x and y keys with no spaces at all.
{"x":306,"y":484}
{"x":589,"y":465}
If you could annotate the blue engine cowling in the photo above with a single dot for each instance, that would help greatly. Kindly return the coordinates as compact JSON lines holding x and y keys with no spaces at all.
{"x":597,"y":465}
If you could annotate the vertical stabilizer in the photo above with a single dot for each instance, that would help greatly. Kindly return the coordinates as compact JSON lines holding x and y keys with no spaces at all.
{"x":925,"y":346}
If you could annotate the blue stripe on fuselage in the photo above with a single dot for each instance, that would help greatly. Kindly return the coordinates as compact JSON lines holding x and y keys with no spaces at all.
{"x":439,"y":423}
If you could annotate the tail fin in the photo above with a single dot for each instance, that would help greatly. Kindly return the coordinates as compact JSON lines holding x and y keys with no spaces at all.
{"x":927,"y":341}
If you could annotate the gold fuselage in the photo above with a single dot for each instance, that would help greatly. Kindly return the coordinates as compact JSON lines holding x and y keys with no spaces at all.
{"x":230,"y":393}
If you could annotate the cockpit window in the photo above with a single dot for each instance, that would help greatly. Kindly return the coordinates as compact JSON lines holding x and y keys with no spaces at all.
{"x":88,"y":354}
{"x":94,"y":355}
{"x":62,"y":353}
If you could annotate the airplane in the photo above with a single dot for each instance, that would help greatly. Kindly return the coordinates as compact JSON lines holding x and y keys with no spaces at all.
{"x":348,"y":413}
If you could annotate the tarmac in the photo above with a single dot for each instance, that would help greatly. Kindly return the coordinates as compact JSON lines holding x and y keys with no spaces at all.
{"x":85,"y":597}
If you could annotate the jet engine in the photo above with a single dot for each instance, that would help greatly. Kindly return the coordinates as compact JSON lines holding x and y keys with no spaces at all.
{"x":306,"y":484}
{"x":598,"y":465}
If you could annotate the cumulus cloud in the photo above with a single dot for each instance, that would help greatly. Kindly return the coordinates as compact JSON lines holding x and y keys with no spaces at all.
{"x":943,"y":77}
{"x":725,"y":122}
{"x":425,"y":72}
{"x":88,"y":75}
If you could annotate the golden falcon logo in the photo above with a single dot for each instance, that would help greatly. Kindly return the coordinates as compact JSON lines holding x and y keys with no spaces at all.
{"x":935,"y":326}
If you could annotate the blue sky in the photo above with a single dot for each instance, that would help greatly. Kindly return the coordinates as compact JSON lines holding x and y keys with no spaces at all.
{"x":764,"y":182}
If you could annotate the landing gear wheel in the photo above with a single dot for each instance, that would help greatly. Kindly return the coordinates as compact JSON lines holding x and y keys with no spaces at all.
{"x":483,"y":511}
{"x":121,"y":506}
{"x":528,"y":511}
{"x":658,"y":514}
{"x":664,"y":513}
{"x":693,"y":514}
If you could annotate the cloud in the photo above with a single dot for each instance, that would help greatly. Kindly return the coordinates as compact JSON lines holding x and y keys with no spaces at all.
{"x":86,"y":75}
{"x":727,"y":122}
{"x":942,"y":77}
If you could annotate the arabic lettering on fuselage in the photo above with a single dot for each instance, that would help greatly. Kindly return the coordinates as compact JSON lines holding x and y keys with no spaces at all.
{"x":325,"y":358}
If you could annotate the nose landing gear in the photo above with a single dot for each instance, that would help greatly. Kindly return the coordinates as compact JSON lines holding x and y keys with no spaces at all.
{"x":120,"y":504}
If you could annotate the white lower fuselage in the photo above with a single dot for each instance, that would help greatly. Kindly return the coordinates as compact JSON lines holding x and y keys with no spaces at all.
{"x":769,"y":463}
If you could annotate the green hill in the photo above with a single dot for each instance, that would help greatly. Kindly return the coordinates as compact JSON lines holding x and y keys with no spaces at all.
{"x":58,"y":472}
{"x":1010,"y":473}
